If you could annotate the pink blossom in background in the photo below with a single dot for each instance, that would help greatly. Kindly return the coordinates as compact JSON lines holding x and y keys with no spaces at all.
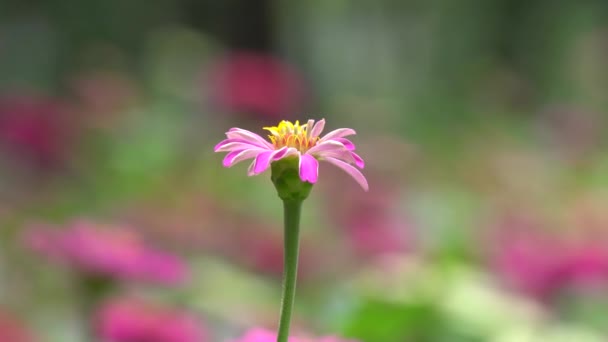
{"x":374,"y":235}
{"x":378,"y":223}
{"x":261,"y":249}
{"x":264,"y":254}
{"x":257,"y":83}
{"x":12,"y":330}
{"x":544,"y":264}
{"x":260,"y":335}
{"x":132,"y":320}
{"x":263,"y":335}
{"x":530,"y":262}
{"x":33,"y":129}
{"x":374,"y":226}
{"x":586,"y":264}
{"x":110,"y":251}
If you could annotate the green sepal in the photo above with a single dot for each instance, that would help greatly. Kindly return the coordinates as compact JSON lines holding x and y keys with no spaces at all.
{"x":286,"y":179}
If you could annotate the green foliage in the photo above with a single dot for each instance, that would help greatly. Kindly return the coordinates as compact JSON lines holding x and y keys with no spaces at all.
{"x":379,"y":320}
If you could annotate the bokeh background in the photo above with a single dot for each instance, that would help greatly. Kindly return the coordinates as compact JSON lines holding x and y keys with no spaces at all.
{"x":482,"y":123}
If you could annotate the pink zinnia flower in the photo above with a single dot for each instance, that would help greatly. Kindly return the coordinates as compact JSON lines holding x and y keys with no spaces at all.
{"x":263,"y":335}
{"x":114,"y":253}
{"x":258,"y":83}
{"x":130,"y":320}
{"x":288,"y":140}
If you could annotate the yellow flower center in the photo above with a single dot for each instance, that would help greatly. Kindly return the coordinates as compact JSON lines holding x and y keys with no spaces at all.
{"x":291,"y":135}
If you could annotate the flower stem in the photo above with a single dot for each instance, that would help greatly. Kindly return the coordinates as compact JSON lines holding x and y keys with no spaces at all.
{"x":291,"y":211}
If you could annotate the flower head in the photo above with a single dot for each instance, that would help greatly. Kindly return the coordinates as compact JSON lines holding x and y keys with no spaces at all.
{"x":292,"y":141}
{"x":113,"y":253}
{"x":131,"y":320}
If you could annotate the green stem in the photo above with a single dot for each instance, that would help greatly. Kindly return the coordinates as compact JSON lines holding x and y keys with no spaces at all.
{"x":291,"y":211}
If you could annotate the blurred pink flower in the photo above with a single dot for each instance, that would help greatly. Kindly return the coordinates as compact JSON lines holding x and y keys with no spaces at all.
{"x":109,"y":251}
{"x":531,"y":263}
{"x":378,"y":223}
{"x":262,"y":250}
{"x":257,"y":83}
{"x":260,"y":335}
{"x":375,"y":235}
{"x":586,"y":264}
{"x":131,"y":320}
{"x":374,"y":227}
{"x":11,"y":330}
{"x":263,"y":335}
{"x":543,"y":265}
{"x":33,"y":128}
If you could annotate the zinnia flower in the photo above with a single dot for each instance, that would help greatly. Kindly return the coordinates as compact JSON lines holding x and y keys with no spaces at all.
{"x":288,"y":140}
{"x":129,"y":320}
{"x":113,"y":253}
{"x":263,"y":335}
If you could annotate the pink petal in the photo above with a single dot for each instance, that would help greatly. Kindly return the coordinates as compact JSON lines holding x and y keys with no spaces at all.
{"x":250,"y":169}
{"x":309,"y":126}
{"x":317,"y":128}
{"x":330,"y":145}
{"x":309,"y":168}
{"x":358,"y":160}
{"x":263,"y":159}
{"x":227,"y":162}
{"x":338,"y":133}
{"x":222,"y":144}
{"x":280,"y":153}
{"x":292,"y":151}
{"x":235,"y":144}
{"x":345,"y":156}
{"x":285,"y":152}
{"x":238,"y":156}
{"x":261,"y":163}
{"x":238,"y":133}
{"x":351,"y":170}
{"x":347,"y":143}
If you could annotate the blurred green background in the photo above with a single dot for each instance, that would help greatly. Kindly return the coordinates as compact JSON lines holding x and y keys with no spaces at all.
{"x":482,"y":123}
